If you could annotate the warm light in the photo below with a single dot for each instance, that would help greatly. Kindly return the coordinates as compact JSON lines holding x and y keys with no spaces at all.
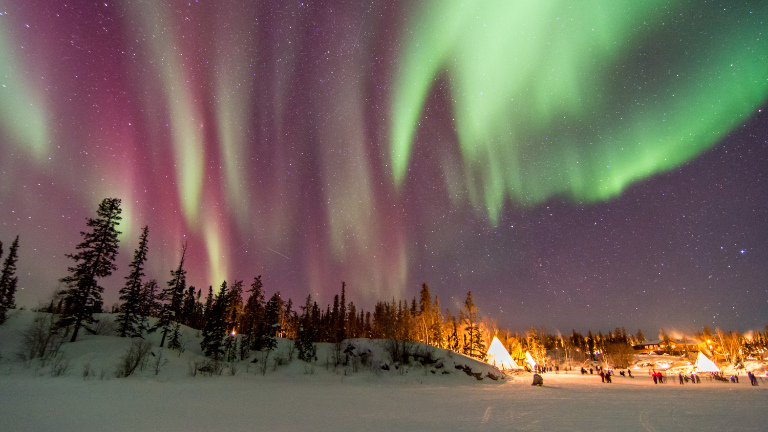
{"x":233,"y":332}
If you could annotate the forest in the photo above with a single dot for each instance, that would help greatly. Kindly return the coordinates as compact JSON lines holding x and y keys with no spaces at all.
{"x":238,"y":319}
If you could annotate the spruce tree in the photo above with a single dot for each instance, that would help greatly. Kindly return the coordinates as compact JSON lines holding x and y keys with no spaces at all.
{"x":436,"y":335}
{"x":208,"y":302}
{"x":95,"y":259}
{"x":188,"y":306}
{"x":640,"y":337}
{"x":453,"y":332}
{"x":129,"y":319}
{"x":334,"y":322}
{"x":215,"y":329}
{"x":536,"y":346}
{"x":250,"y":320}
{"x":191,"y":308}
{"x":341,"y":324}
{"x":207,"y":311}
{"x":473,"y":346}
{"x":235,"y":306}
{"x":149,"y":305}
{"x":289,"y":321}
{"x":425,"y":315}
{"x":270,"y":328}
{"x":305,"y":342}
{"x":591,"y":345}
{"x":233,"y":312}
{"x":352,"y":323}
{"x":8,"y":280}
{"x":173,"y":295}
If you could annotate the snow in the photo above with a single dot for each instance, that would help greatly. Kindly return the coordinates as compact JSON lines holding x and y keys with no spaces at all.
{"x":298,"y":396}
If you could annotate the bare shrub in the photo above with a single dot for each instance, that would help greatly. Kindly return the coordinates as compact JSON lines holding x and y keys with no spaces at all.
{"x":159,"y":362}
{"x":358,"y":360}
{"x":41,"y":340}
{"x":337,"y":354}
{"x":291,"y":352}
{"x":59,"y":366}
{"x":264,"y":362}
{"x":135,"y":358}
{"x":206,"y":367}
{"x":104,"y":327}
{"x":399,"y":351}
{"x":425,"y":355}
{"x":232,"y":368}
{"x":282,"y":357}
{"x":87,"y":371}
{"x":181,"y":343}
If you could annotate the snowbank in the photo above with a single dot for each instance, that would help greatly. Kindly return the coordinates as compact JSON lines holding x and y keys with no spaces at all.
{"x":319,"y":396}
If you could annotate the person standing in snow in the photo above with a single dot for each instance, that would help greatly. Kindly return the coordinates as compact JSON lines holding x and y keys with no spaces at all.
{"x":654,"y":377}
{"x":602,"y":376}
{"x":680,"y":376}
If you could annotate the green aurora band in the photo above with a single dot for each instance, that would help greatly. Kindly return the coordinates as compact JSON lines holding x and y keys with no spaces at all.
{"x":23,"y":107}
{"x":551,"y":99}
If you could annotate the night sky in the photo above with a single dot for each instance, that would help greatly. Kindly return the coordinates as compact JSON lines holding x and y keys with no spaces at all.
{"x":584,"y":167}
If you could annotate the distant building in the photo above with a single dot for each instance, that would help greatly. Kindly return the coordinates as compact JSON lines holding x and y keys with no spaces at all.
{"x":675,"y":347}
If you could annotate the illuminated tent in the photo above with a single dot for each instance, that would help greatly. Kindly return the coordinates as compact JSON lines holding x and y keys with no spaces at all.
{"x":703,"y":364}
{"x":499,"y":356}
{"x":531,"y":362}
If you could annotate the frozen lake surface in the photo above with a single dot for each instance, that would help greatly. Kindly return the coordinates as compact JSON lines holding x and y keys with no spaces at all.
{"x":375,"y":403}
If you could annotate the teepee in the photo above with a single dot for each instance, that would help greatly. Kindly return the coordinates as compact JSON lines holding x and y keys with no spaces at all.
{"x":499,"y":356}
{"x":703,"y":364}
{"x":529,"y":359}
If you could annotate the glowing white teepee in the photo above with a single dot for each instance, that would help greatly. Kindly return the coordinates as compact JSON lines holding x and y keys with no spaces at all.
{"x":529,"y":359}
{"x":703,"y":364}
{"x":499,"y":356}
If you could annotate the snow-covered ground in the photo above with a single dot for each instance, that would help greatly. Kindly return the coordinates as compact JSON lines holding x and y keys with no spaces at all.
{"x":297,"y":396}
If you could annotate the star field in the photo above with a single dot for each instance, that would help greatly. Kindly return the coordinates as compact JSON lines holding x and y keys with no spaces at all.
{"x":587,"y":166}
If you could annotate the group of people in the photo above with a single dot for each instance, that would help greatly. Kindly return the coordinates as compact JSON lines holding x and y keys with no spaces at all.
{"x":605,"y":375}
{"x":684,"y":378}
{"x":658,"y":377}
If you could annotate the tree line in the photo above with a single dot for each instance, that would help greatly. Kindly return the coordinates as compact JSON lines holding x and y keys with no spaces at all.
{"x":232,"y":328}
{"x":8,"y":279}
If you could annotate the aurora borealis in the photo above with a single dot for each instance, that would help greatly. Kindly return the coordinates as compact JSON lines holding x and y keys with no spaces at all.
{"x":596,"y":165}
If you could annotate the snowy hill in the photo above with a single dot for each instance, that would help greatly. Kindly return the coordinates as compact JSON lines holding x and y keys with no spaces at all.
{"x":78,"y":390}
{"x":101,"y":356}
